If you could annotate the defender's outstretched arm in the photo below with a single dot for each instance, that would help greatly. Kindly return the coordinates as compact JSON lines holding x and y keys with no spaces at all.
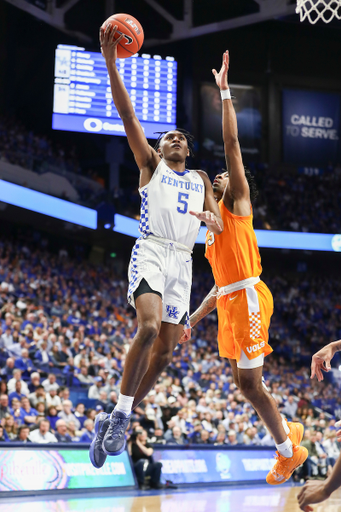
{"x":239,"y":186}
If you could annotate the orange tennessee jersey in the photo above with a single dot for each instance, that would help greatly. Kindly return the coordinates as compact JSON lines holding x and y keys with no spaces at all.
{"x":234,"y":254}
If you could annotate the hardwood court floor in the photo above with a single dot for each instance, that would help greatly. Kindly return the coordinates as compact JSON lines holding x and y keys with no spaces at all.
{"x":243,"y":499}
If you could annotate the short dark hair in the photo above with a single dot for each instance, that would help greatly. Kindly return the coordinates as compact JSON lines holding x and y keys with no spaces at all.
{"x":252,"y":184}
{"x":189,"y":137}
{"x":23,"y":427}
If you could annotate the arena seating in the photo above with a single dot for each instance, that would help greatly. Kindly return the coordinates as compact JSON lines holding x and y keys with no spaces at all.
{"x":286,"y":203}
{"x":65,"y":324}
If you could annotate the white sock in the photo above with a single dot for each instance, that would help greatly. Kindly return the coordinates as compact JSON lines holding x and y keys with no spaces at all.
{"x":285,"y":449}
{"x":285,"y":426}
{"x":124,"y":403}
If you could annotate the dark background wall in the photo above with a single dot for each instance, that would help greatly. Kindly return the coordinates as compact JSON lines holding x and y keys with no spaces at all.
{"x":273,"y":55}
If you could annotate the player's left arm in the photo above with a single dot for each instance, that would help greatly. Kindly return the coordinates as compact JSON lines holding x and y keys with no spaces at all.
{"x":207,"y":306}
{"x":321,"y":360}
{"x":315,"y":492}
{"x":211,"y":214}
{"x":239,"y":187}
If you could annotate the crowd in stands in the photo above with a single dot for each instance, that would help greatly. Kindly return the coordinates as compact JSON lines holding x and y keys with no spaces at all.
{"x":299,"y":202}
{"x":23,"y":147}
{"x":289,"y":201}
{"x":286,"y":202}
{"x":38,"y":153}
{"x":65,"y":330}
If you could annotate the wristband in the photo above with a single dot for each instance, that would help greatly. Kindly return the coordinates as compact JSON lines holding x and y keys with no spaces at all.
{"x":225,"y":94}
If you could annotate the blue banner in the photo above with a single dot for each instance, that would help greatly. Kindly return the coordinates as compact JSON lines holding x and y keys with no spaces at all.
{"x":103,"y":125}
{"x":311,"y":127}
{"x":37,"y":469}
{"x":214,"y":465}
{"x":47,"y":205}
{"x":265,"y":238}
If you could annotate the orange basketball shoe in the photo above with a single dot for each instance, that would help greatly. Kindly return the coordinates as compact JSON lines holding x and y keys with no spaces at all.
{"x":296,"y":432}
{"x":284,"y":467}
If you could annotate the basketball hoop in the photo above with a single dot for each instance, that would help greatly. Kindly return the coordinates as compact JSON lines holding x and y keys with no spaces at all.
{"x":314,"y":10}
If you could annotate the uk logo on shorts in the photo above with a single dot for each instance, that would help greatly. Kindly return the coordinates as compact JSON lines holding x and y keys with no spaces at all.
{"x":172,"y":312}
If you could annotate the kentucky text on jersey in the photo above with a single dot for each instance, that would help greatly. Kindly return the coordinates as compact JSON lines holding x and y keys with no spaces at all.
{"x":168,"y":180}
{"x":166,"y":202}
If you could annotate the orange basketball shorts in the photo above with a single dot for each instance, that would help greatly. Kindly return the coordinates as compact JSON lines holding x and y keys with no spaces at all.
{"x":244,"y":321}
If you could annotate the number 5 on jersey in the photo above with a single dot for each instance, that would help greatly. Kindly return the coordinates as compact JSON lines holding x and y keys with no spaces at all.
{"x":184,"y":205}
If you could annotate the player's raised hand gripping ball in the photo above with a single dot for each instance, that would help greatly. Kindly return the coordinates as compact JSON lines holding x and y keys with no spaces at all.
{"x":130,"y":29}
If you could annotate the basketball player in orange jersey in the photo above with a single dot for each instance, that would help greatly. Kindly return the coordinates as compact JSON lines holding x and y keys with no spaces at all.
{"x":243,"y":301}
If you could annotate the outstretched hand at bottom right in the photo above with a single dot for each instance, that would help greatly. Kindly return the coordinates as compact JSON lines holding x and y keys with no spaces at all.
{"x":312,"y":492}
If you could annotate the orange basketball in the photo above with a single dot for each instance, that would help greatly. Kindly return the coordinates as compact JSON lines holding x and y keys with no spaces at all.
{"x":133,"y":34}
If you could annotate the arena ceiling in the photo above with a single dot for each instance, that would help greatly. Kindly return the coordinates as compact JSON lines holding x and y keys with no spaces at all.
{"x":163,"y":21}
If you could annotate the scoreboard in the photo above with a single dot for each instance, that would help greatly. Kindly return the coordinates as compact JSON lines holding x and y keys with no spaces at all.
{"x":82,"y":96}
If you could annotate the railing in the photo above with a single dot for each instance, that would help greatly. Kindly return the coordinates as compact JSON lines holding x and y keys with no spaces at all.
{"x":18,"y":167}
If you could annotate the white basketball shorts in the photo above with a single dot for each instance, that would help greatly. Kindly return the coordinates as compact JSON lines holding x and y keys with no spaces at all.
{"x":167,"y":268}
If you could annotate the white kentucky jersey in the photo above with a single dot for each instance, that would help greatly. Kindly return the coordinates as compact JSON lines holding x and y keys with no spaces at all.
{"x":166,"y":202}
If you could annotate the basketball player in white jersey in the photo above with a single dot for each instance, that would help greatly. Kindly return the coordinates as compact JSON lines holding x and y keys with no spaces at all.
{"x":160,"y":270}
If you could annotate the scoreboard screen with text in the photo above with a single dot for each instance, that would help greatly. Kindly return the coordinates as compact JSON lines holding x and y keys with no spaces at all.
{"x":82,"y":95}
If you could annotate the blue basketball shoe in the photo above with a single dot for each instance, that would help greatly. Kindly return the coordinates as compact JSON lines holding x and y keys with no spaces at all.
{"x":114,"y":439}
{"x":96,"y":453}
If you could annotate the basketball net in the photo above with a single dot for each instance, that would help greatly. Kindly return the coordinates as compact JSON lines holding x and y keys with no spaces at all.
{"x":314,"y":10}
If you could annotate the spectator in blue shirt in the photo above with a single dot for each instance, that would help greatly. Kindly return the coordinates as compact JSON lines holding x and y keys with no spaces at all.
{"x":34,"y":383}
{"x":94,"y":328}
{"x":70,"y":371}
{"x":7,"y":370}
{"x":70,"y":368}
{"x":42,"y":357}
{"x":73,"y":320}
{"x":89,"y":434}
{"x":24,"y":363}
{"x":3,"y":435}
{"x":61,"y":432}
{"x":52,"y":416}
{"x":30,"y":320}
{"x":16,"y":411}
{"x":79,"y":413}
{"x":17,"y":393}
{"x":17,"y":347}
{"x":6,"y":339}
{"x":29,"y":413}
{"x":56,"y":309}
